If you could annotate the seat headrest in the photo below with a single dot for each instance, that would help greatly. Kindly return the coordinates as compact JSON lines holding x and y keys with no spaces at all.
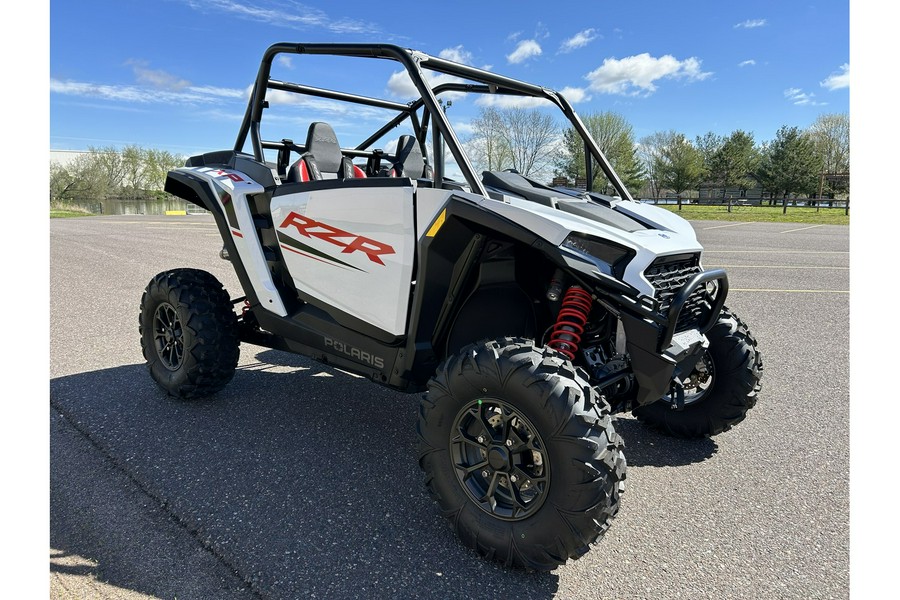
{"x":322,"y":143}
{"x":409,"y":157}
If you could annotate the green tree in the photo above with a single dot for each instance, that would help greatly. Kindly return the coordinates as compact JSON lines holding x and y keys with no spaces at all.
{"x":134,"y":173}
{"x":790,"y":164}
{"x":615,"y":137}
{"x":732,"y":163}
{"x":709,"y":145}
{"x":681,"y":165}
{"x":109,"y":161}
{"x":81,"y":179}
{"x":157,"y":164}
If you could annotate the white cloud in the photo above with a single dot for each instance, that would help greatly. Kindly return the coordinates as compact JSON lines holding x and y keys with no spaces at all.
{"x":747,"y":63}
{"x":635,"y":75}
{"x":456,"y":54}
{"x":504,"y":101}
{"x":401,"y":86}
{"x":285,"y":60}
{"x":800,"y":98}
{"x":751,"y":24}
{"x":839,"y":79}
{"x":157,"y":78}
{"x":524,"y":50}
{"x":143,"y":95}
{"x":286,"y":13}
{"x":574,"y":94}
{"x":580,"y":39}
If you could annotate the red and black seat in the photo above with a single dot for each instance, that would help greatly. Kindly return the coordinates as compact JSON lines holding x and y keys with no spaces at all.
{"x":323,"y":158}
{"x":410,"y":162}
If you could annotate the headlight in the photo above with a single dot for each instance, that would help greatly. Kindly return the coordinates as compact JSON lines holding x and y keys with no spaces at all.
{"x":613,"y":255}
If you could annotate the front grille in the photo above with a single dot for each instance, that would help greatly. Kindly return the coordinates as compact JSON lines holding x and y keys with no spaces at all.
{"x":668,"y":274}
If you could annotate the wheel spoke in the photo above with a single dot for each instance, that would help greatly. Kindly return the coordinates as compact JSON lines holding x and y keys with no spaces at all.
{"x":468,"y":471}
{"x":492,"y":489}
{"x":464,"y":438}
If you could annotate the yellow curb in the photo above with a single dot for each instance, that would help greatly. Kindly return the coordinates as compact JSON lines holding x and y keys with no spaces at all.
{"x":176,"y":212}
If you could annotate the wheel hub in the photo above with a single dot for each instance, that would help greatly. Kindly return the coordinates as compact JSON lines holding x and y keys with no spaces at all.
{"x":500,"y":459}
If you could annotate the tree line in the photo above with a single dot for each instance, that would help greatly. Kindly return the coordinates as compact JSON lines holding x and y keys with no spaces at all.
{"x":794,"y":163}
{"x":531,"y":142}
{"x":132,"y":173}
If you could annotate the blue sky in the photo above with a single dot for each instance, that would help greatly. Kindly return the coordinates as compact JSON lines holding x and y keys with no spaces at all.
{"x":174,"y":74}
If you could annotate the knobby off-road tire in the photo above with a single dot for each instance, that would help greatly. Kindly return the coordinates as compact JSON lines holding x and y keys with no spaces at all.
{"x":520,"y":454}
{"x":189,"y":333}
{"x":731,"y":387}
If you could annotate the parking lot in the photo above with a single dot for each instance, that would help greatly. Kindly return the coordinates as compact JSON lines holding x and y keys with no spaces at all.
{"x":300,"y":481}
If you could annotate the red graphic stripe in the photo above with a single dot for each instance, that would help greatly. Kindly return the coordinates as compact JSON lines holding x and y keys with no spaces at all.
{"x":237,"y":233}
{"x":327,"y":262}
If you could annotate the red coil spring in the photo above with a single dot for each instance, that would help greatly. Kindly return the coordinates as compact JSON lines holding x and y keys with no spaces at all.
{"x":573,"y":315}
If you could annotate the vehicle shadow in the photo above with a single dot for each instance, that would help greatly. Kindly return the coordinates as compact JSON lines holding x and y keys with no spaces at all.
{"x":647,"y":448}
{"x":300,"y":478}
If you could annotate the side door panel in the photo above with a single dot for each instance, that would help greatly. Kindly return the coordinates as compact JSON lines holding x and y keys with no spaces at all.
{"x":352,"y":249}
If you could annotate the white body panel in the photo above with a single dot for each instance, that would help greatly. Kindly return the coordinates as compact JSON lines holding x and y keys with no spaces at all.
{"x":428,"y":204}
{"x":231,"y":191}
{"x":351,"y":249}
{"x":554,"y":225}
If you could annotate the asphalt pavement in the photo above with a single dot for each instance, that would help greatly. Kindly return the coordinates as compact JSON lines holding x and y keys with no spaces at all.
{"x":301,"y":481}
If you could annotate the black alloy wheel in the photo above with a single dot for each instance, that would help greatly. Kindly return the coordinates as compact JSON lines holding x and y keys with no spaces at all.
{"x":500,"y":459}
{"x":168,"y":336}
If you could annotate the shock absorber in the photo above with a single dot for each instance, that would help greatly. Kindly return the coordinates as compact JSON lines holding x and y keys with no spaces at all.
{"x":570,"y":322}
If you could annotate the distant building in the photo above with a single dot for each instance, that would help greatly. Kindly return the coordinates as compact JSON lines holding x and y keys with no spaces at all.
{"x":65,"y":157}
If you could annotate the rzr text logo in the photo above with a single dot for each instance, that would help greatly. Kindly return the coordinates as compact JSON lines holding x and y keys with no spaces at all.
{"x":350,"y":242}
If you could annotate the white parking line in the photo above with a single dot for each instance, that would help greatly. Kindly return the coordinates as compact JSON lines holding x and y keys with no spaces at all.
{"x":721,"y":226}
{"x":774,"y":267}
{"x":775,"y":252}
{"x":790,"y":291}
{"x":800,"y":229}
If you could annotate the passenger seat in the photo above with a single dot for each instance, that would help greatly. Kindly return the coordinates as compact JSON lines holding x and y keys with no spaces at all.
{"x":410,"y":162}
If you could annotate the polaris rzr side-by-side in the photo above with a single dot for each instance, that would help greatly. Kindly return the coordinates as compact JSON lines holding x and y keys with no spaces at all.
{"x":530,"y":315}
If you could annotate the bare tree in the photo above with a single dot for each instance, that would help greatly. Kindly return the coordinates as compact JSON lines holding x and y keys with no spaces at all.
{"x":651,"y":151}
{"x":531,"y":136}
{"x":488,"y":147}
{"x":514,"y":138}
{"x":830,"y":134}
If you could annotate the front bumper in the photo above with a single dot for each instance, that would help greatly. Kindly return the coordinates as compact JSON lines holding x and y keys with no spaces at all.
{"x":660,"y":348}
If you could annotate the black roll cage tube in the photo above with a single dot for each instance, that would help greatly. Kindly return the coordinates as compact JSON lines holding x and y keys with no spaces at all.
{"x":413,"y":62}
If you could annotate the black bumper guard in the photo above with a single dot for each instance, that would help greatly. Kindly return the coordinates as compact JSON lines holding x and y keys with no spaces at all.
{"x":685,"y":293}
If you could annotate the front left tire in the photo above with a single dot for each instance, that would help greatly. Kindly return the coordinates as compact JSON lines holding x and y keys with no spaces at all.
{"x":189,"y":333}
{"x":520,"y":454}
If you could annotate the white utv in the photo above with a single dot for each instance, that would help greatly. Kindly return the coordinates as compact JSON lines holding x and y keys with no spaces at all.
{"x":530,"y":315}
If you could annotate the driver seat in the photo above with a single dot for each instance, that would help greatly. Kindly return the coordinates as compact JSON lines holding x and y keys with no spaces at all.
{"x":323,"y":158}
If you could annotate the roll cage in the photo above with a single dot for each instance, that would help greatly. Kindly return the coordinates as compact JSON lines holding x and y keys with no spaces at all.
{"x":479,"y":81}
